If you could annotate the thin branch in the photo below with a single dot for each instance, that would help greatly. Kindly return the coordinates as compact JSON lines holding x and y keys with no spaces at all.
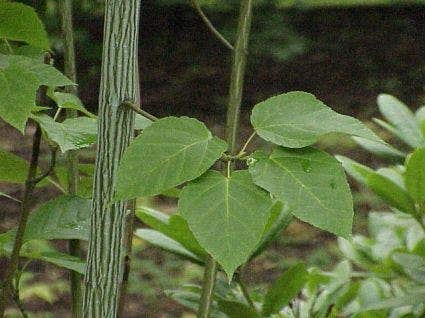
{"x":210,"y":26}
{"x":207,"y":288}
{"x":138,"y":110}
{"x":242,"y":151}
{"x":49,"y":170}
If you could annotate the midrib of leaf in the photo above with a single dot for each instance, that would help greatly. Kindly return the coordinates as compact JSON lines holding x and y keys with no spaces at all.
{"x":302,"y":185}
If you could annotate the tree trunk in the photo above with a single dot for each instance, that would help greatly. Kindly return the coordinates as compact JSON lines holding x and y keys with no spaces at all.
{"x":107,"y":245}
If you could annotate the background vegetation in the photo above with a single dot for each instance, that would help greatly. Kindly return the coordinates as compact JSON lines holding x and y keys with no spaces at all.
{"x":344,"y":53}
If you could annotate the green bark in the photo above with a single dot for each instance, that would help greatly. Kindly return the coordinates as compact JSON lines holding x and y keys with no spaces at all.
{"x":107,"y":245}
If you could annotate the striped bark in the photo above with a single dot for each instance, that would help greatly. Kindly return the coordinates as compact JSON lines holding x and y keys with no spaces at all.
{"x":107,"y":245}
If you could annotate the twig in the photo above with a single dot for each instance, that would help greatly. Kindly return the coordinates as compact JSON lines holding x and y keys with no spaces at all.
{"x":210,"y":26}
{"x":207,"y":288}
{"x":138,"y":110}
{"x":242,"y":151}
{"x":49,"y":170}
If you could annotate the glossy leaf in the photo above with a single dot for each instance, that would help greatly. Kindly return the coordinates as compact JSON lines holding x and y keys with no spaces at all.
{"x":64,"y":217}
{"x":402,"y":119}
{"x":280,"y":218}
{"x":390,"y":191}
{"x":227,"y":215}
{"x":13,"y":168}
{"x":415,"y":175}
{"x":174,"y":226}
{"x":70,"y":101}
{"x":19,"y":22}
{"x":158,"y":239}
{"x":312,"y":184}
{"x":298,"y":119}
{"x":379,"y":149}
{"x":167,"y":153}
{"x":284,"y":289}
{"x":73,"y":133}
{"x":41,"y":250}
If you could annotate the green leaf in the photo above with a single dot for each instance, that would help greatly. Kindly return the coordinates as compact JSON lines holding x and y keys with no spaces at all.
{"x":402,"y":119}
{"x":284,"y":289}
{"x":415,"y":175}
{"x":227,"y":215}
{"x":379,"y":149}
{"x":46,"y":74}
{"x":13,"y":169}
{"x":312,"y":184}
{"x":73,"y":133}
{"x":15,"y":108}
{"x":70,"y":101}
{"x":141,"y":122}
{"x":298,"y":119}
{"x":167,"y":153}
{"x":389,"y":189}
{"x":19,"y":22}
{"x":414,"y":297}
{"x":158,"y":239}
{"x":236,"y":309}
{"x":174,"y":226}
{"x":41,"y":250}
{"x":280,"y":218}
{"x":413,"y":265}
{"x":25,"y":75}
{"x":64,"y":217}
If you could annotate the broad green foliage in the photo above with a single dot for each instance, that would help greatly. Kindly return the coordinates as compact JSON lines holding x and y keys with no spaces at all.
{"x":12,"y":168}
{"x":73,"y":133}
{"x":85,"y":180}
{"x":19,"y":22}
{"x":23,"y":75}
{"x":284,"y":289}
{"x":64,"y":217}
{"x":311,"y":183}
{"x":69,"y":101}
{"x":141,"y":122}
{"x":61,"y":218}
{"x":386,"y":183}
{"x":402,"y":123}
{"x":167,"y":153}
{"x":174,"y":226}
{"x":402,"y":119}
{"x":158,"y":239}
{"x":16,"y":108}
{"x":415,"y":175}
{"x":237,"y":212}
{"x":298,"y":119}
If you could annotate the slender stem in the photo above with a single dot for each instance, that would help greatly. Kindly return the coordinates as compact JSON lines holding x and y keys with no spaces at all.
{"x":233,"y":110}
{"x":210,"y":26}
{"x":25,"y":210}
{"x":74,"y":246}
{"x":136,"y":108}
{"x":30,"y":184}
{"x":9,"y":47}
{"x":58,"y":111}
{"x":207,"y":288}
{"x":242,"y":151}
{"x":238,"y":72}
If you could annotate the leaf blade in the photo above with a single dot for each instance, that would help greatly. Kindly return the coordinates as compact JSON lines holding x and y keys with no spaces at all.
{"x":298,"y":119}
